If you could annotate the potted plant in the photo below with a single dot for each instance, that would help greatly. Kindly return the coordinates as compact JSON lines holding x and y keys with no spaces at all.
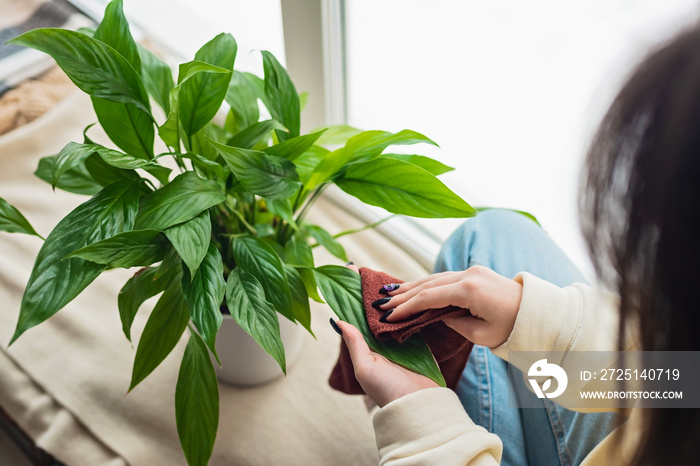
{"x":223,"y":227}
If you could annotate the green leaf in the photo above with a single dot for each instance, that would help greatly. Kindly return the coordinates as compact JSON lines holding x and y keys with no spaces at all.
{"x":197,"y":403}
{"x":126,"y":125}
{"x":114,"y":30}
{"x":170,"y":130}
{"x":201,"y":97}
{"x":342,"y":289}
{"x":129,"y":127}
{"x":402,"y":188}
{"x":261,"y":174}
{"x":242,"y":96}
{"x":207,"y":167}
{"x":142,"y":286}
{"x":246,"y":302}
{"x":75,"y":180}
{"x":360,"y":148}
{"x":432,"y":166}
{"x":179,"y":201}
{"x":105,"y":174}
{"x":171,"y":262}
{"x":163,"y":330}
{"x":191,"y":240}
{"x":337,"y":134}
{"x":12,"y":221}
{"x":96,"y":68}
{"x":127,"y":162}
{"x":255,"y":256}
{"x":283,"y":209}
{"x":298,"y":252}
{"x":283,"y":100}
{"x":137,"y":248}
{"x":204,"y":294}
{"x":293,"y":148}
{"x":327,"y":240}
{"x":54,"y":282}
{"x":250,"y":136}
{"x":300,"y":300}
{"x":307,"y":275}
{"x":157,"y":77}
{"x":71,"y":155}
{"x":308,"y":161}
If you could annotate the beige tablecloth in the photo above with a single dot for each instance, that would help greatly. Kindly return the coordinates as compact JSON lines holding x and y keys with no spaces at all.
{"x":65,"y":381}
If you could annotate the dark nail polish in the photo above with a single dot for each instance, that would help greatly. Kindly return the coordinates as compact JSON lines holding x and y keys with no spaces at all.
{"x":386,"y":314}
{"x":380,"y":301}
{"x":387,"y":288}
{"x":349,"y":263}
{"x":335,"y":327}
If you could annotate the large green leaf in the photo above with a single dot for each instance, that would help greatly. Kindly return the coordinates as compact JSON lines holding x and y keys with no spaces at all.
{"x":143,"y":285}
{"x":259,"y":173}
{"x":54,"y":282}
{"x":300,"y":299}
{"x":307,"y":162}
{"x":255,"y":256}
{"x":170,"y":130}
{"x":114,"y":31}
{"x":342,"y":289}
{"x":204,"y":294}
{"x":250,"y":136}
{"x":402,"y":188}
{"x":432,"y":166}
{"x":127,"y":162}
{"x":337,"y":134}
{"x":282,"y":97}
{"x":246,"y":302}
{"x":71,"y":155}
{"x":242,"y":96}
{"x":95,"y":67}
{"x":293,"y":148}
{"x":105,"y":174}
{"x":179,"y":201}
{"x":298,"y":252}
{"x":75,"y":180}
{"x":191,"y":240}
{"x":163,"y":330}
{"x":157,"y":77}
{"x":127,"y":126}
{"x":362,"y":147}
{"x":12,"y":221}
{"x":201,"y":97}
{"x":327,"y":240}
{"x":197,"y":403}
{"x":136,"y":248}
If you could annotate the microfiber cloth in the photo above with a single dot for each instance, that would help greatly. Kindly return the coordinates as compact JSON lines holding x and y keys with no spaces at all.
{"x":451,"y":349}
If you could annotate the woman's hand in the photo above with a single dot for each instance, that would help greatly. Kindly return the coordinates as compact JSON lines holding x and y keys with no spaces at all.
{"x":383,"y":380}
{"x":493,"y":301}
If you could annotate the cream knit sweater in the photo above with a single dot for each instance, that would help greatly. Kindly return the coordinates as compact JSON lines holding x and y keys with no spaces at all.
{"x":430,"y":427}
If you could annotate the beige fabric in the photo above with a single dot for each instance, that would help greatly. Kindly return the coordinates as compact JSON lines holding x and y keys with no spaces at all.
{"x":65,"y":381}
{"x":16,"y":11}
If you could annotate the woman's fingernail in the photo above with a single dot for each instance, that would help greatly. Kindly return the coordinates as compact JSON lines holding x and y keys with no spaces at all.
{"x":349,"y":263}
{"x":386,"y":314}
{"x":380,"y":301}
{"x":387,"y":288}
{"x":335,"y":327}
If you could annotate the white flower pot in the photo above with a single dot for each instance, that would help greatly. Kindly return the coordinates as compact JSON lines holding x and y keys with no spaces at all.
{"x":243,"y":362}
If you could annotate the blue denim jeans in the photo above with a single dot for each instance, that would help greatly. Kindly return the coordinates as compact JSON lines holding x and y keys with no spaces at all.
{"x":508,"y":243}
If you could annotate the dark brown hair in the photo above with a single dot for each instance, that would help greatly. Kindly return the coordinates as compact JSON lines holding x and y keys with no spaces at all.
{"x":640,"y":214}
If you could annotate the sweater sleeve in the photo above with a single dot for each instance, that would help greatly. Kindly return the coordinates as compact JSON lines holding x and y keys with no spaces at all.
{"x":431,"y":427}
{"x":573,"y":318}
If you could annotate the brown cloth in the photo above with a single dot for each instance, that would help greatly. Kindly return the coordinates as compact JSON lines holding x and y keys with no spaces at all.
{"x":451,"y":349}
